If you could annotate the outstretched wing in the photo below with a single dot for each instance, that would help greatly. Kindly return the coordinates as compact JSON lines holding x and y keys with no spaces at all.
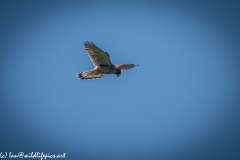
{"x":97,"y":55}
{"x":125,"y":66}
{"x":93,"y":74}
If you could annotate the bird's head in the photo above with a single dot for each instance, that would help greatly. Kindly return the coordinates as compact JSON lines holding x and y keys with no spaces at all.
{"x":117,"y":72}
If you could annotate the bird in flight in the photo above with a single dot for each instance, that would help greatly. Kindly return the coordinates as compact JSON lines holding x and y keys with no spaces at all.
{"x":101,"y":61}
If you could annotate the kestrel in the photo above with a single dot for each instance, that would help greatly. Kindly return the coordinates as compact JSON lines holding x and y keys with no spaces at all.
{"x":101,"y":61}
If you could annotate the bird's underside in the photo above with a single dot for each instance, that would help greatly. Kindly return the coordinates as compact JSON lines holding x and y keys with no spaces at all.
{"x":102,"y":62}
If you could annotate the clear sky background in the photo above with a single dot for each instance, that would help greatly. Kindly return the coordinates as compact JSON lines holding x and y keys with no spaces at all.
{"x":181,"y":102}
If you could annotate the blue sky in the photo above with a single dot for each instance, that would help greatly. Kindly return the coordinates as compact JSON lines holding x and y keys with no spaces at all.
{"x":181,"y":101}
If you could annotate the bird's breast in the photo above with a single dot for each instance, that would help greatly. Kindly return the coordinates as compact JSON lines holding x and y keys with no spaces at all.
{"x":107,"y":69}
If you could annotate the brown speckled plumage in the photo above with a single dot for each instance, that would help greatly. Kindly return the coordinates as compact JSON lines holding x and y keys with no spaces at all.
{"x":102,"y":62}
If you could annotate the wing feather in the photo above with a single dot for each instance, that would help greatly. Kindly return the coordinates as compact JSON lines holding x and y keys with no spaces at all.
{"x":125,"y":66}
{"x":97,"y":55}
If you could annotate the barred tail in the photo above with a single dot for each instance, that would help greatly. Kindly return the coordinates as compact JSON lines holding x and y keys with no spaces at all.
{"x":90,"y":75}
